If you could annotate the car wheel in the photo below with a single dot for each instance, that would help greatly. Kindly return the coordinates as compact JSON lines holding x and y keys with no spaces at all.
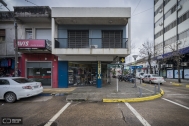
{"x":10,"y":97}
{"x":142,"y":81}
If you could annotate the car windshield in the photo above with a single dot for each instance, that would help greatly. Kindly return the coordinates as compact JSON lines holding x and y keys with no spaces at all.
{"x":155,"y":75}
{"x":141,"y":73}
{"x":22,"y":80}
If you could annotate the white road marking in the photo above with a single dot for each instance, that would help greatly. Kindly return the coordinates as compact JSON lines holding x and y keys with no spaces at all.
{"x":57,"y":115}
{"x":175,"y":103}
{"x":140,"y":118}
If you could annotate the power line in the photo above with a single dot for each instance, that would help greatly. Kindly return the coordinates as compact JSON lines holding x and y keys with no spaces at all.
{"x":146,"y":10}
{"x":30,"y":2}
{"x":136,"y":7}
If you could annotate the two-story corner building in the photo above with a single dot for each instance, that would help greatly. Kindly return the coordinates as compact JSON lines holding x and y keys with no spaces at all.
{"x":6,"y":43}
{"x":86,"y":39}
{"x":34,"y":44}
{"x":171,"y":19}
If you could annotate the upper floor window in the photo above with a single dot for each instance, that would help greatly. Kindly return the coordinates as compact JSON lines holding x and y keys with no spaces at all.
{"x":159,"y":34}
{"x":2,"y":35}
{"x":184,"y":35}
{"x":28,"y":33}
{"x":172,"y":10}
{"x":171,"y":40}
{"x":159,"y":22}
{"x":159,"y":9}
{"x":155,"y":1}
{"x":78,"y":38}
{"x":170,"y":26}
{"x":112,"y":38}
{"x":183,"y":17}
{"x":166,"y":1}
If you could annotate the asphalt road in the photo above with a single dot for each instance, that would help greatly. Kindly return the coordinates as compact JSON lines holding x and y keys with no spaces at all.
{"x":38,"y":110}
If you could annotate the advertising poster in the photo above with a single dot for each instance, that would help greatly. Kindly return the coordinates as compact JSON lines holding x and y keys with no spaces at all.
{"x":186,"y":73}
{"x":176,"y":73}
{"x":169,"y":73}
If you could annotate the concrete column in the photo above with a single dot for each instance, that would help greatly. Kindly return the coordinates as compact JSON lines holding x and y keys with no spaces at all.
{"x":99,"y":78}
{"x":53,"y":34}
{"x":129,"y":36}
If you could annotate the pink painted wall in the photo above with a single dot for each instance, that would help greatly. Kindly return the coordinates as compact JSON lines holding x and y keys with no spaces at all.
{"x":38,"y":58}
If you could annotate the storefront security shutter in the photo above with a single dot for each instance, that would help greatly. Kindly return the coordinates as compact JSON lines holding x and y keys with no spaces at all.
{"x":112,"y":38}
{"x":43,"y":34}
{"x":78,"y":38}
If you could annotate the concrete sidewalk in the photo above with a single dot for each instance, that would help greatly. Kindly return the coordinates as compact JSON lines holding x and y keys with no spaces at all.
{"x":174,"y":82}
{"x":108,"y":92}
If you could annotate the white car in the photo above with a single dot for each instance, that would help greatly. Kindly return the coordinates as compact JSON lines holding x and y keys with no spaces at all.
{"x":15,"y":88}
{"x":153,"y":78}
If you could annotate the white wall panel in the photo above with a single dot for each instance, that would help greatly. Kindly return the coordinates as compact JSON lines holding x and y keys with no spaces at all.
{"x":170,"y":19}
{"x":158,"y":28}
{"x":185,"y":7}
{"x":159,"y":40}
{"x":158,"y":16}
{"x":183,"y":26}
{"x":169,"y":5}
{"x":158,"y":4}
{"x":170,"y":33}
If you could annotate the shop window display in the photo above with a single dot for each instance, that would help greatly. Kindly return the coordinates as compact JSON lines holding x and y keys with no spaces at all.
{"x":82,"y":74}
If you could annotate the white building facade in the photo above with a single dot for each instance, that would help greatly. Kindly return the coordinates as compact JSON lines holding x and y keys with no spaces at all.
{"x":171,"y":30}
{"x":86,"y":39}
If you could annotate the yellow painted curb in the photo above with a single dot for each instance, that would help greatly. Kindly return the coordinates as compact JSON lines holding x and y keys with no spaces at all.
{"x":176,"y":84}
{"x":136,"y":99}
{"x":187,"y":86}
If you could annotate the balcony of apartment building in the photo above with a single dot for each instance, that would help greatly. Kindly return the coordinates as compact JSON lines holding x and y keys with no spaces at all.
{"x":95,"y":31}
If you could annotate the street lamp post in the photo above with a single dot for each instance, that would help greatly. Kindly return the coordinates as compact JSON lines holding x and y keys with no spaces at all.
{"x":135,"y":56}
{"x":16,"y":45}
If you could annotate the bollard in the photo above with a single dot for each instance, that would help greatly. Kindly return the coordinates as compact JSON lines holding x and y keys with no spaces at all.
{"x":140,"y":80}
{"x":117,"y":85}
{"x":140,"y":92}
{"x":159,"y":87}
{"x":155,"y":89}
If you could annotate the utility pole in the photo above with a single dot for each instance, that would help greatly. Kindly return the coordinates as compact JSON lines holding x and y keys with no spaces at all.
{"x":16,"y":40}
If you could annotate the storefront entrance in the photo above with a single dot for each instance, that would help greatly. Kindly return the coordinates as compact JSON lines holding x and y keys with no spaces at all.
{"x":39,"y":71}
{"x":82,"y":73}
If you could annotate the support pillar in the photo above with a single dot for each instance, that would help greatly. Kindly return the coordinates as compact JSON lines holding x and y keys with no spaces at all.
{"x":99,"y":78}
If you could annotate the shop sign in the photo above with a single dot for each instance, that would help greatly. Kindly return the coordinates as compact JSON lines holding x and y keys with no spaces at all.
{"x":26,"y":43}
{"x":99,"y":70}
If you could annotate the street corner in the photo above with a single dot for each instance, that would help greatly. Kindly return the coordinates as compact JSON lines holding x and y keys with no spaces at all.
{"x":141,"y":99}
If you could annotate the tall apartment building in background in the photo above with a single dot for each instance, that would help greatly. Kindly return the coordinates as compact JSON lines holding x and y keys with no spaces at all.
{"x":171,"y":27}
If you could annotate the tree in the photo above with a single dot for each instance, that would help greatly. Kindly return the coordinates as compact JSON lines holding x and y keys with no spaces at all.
{"x":147,"y":51}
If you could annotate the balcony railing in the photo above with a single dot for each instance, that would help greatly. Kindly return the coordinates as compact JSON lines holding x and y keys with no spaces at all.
{"x":91,"y":42}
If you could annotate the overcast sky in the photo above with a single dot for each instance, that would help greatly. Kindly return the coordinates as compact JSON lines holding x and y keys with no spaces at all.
{"x":141,"y":15}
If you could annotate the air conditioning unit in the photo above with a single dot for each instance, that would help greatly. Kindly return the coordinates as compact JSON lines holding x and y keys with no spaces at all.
{"x":160,"y":10}
{"x":161,"y":23}
{"x":179,"y":7}
{"x":94,"y":46}
{"x":184,"y":64}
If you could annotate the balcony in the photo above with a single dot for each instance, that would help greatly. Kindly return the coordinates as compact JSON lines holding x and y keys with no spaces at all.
{"x":90,"y":43}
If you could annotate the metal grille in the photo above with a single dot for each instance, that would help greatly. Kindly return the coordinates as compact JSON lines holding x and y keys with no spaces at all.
{"x":112,"y":39}
{"x":78,"y":39}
